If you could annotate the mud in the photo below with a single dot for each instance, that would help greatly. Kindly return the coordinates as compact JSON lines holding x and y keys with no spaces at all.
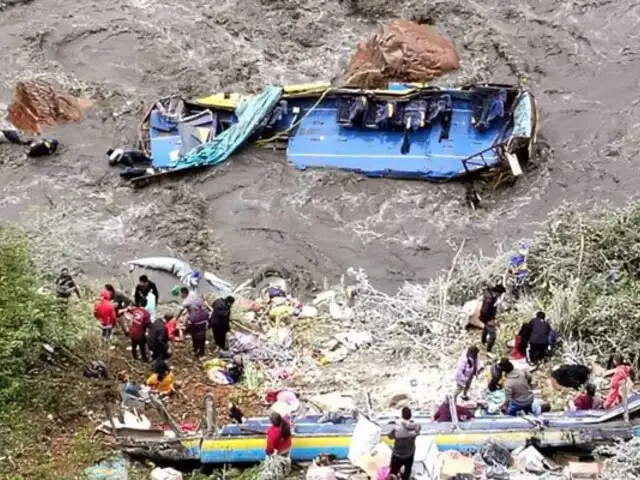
{"x":580,"y":58}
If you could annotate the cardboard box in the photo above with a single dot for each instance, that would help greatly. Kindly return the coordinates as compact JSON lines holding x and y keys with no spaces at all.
{"x":454,"y":463}
{"x":584,"y":470}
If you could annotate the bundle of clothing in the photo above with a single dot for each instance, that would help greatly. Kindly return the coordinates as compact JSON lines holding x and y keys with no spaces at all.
{"x":252,"y":348}
{"x":571,"y":376}
{"x":224,"y":373}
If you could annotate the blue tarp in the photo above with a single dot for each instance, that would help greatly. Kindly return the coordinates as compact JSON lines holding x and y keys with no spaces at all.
{"x":250,"y":114}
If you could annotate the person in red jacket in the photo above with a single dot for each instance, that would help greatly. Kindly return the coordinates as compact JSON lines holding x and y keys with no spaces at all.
{"x":621,"y":374}
{"x":588,"y":400}
{"x":105,"y":312}
{"x":278,"y":436}
{"x":140,"y":323}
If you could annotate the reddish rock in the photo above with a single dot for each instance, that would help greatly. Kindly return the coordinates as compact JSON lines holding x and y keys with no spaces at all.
{"x":403,"y":51}
{"x":37,"y":104}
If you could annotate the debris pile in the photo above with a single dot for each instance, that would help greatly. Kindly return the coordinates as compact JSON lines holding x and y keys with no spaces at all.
{"x":38,"y":104}
{"x":421,"y":325}
{"x":420,"y":320}
{"x":401,"y":51}
{"x":372,"y":456}
{"x":621,"y":461}
{"x":582,"y":270}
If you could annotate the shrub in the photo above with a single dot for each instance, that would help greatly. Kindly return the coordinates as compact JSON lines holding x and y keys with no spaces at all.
{"x":28,"y":318}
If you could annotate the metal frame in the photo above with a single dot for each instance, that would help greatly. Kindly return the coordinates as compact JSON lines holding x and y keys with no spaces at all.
{"x":478,"y":160}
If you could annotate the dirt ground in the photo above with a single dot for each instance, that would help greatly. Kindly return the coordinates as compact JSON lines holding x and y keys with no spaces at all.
{"x":580,"y":58}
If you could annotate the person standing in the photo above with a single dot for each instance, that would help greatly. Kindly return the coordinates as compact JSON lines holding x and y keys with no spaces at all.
{"x":65,"y":285}
{"x":151,"y":304}
{"x":140,"y":323}
{"x":122,"y":304}
{"x":621,"y":374}
{"x":521,"y":342}
{"x":221,"y":320}
{"x":467,"y":369}
{"x":488,"y":310}
{"x":105,"y":313}
{"x":143,"y":288}
{"x":197,"y":324}
{"x":539,"y":338}
{"x":404,"y":435}
{"x":158,"y":340}
{"x":189,"y":297}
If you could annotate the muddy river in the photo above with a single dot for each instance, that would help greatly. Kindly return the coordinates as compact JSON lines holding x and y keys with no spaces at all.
{"x":580,"y":58}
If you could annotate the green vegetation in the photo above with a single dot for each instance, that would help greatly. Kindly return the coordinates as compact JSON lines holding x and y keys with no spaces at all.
{"x":27,"y":318}
{"x":586,"y":269}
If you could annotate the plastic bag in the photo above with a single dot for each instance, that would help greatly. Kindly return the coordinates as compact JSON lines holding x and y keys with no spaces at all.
{"x":495,"y":454}
{"x":366,"y":436}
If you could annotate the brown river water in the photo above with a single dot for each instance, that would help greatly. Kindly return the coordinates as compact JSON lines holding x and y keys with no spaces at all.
{"x":580,"y":58}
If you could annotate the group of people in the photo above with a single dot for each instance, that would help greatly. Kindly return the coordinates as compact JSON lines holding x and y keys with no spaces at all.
{"x":534,"y":338}
{"x":518,"y":396}
{"x":503,"y":376}
{"x":153,"y":334}
{"x":510,"y":390}
{"x":138,"y":320}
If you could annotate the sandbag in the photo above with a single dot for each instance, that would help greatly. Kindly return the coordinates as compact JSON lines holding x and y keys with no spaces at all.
{"x":165,"y":474}
{"x":402,"y":51}
{"x":471,"y":311}
{"x":365,"y":437}
{"x":317,"y":472}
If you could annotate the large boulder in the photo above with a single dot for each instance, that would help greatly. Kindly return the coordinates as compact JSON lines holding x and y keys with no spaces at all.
{"x":402,"y":51}
{"x":37,"y":104}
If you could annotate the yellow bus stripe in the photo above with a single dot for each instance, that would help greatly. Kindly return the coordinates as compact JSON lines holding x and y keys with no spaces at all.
{"x":463,"y":438}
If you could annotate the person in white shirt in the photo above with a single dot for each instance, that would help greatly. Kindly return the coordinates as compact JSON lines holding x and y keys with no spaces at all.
{"x":189,"y":299}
